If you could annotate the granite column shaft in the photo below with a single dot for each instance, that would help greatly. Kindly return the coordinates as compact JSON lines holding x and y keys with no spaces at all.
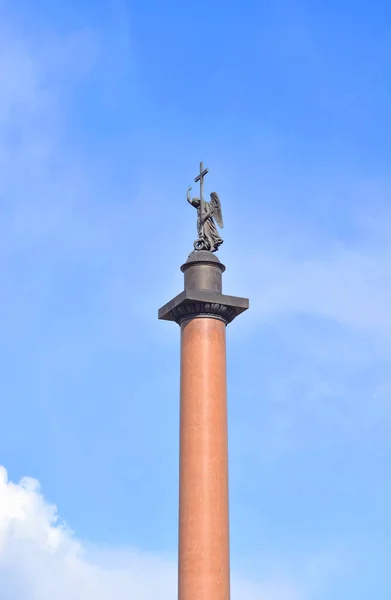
{"x":203,"y":501}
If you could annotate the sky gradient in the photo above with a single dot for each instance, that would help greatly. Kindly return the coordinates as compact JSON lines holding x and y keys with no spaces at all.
{"x":106,"y":110}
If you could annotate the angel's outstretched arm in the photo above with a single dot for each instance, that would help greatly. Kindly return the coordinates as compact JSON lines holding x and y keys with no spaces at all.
{"x":192,"y":201}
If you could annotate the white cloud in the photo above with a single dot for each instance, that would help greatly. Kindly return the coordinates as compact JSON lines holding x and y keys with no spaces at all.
{"x":40,"y":559}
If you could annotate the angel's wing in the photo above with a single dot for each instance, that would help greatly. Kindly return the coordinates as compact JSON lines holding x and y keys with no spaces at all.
{"x":215,"y":209}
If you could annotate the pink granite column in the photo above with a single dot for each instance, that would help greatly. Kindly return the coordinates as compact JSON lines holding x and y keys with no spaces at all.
{"x":203,"y":502}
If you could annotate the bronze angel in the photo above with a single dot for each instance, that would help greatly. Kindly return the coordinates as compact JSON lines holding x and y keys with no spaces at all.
{"x":208,"y":237}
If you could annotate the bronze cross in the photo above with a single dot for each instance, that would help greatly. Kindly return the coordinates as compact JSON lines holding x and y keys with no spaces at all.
{"x":200,"y":178}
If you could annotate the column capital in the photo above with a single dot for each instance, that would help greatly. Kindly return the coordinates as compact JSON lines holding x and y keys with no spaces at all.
{"x":202,"y":296}
{"x":191,"y":304}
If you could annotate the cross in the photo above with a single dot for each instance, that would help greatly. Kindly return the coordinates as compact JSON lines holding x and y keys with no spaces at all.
{"x":200,"y":178}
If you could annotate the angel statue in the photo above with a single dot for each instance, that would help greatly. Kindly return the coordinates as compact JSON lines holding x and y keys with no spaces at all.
{"x":208,"y":236}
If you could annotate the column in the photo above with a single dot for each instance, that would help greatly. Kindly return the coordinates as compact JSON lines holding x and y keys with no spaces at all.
{"x":202,"y":311}
{"x":203,"y":499}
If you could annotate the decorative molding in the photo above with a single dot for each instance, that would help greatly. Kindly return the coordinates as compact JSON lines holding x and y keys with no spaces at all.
{"x":193,"y":310}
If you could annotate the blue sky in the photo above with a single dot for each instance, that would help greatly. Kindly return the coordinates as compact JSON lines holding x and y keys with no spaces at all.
{"x":106,"y":110}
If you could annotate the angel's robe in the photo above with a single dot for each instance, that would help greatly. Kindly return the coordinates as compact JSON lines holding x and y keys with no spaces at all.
{"x":208,"y":234}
